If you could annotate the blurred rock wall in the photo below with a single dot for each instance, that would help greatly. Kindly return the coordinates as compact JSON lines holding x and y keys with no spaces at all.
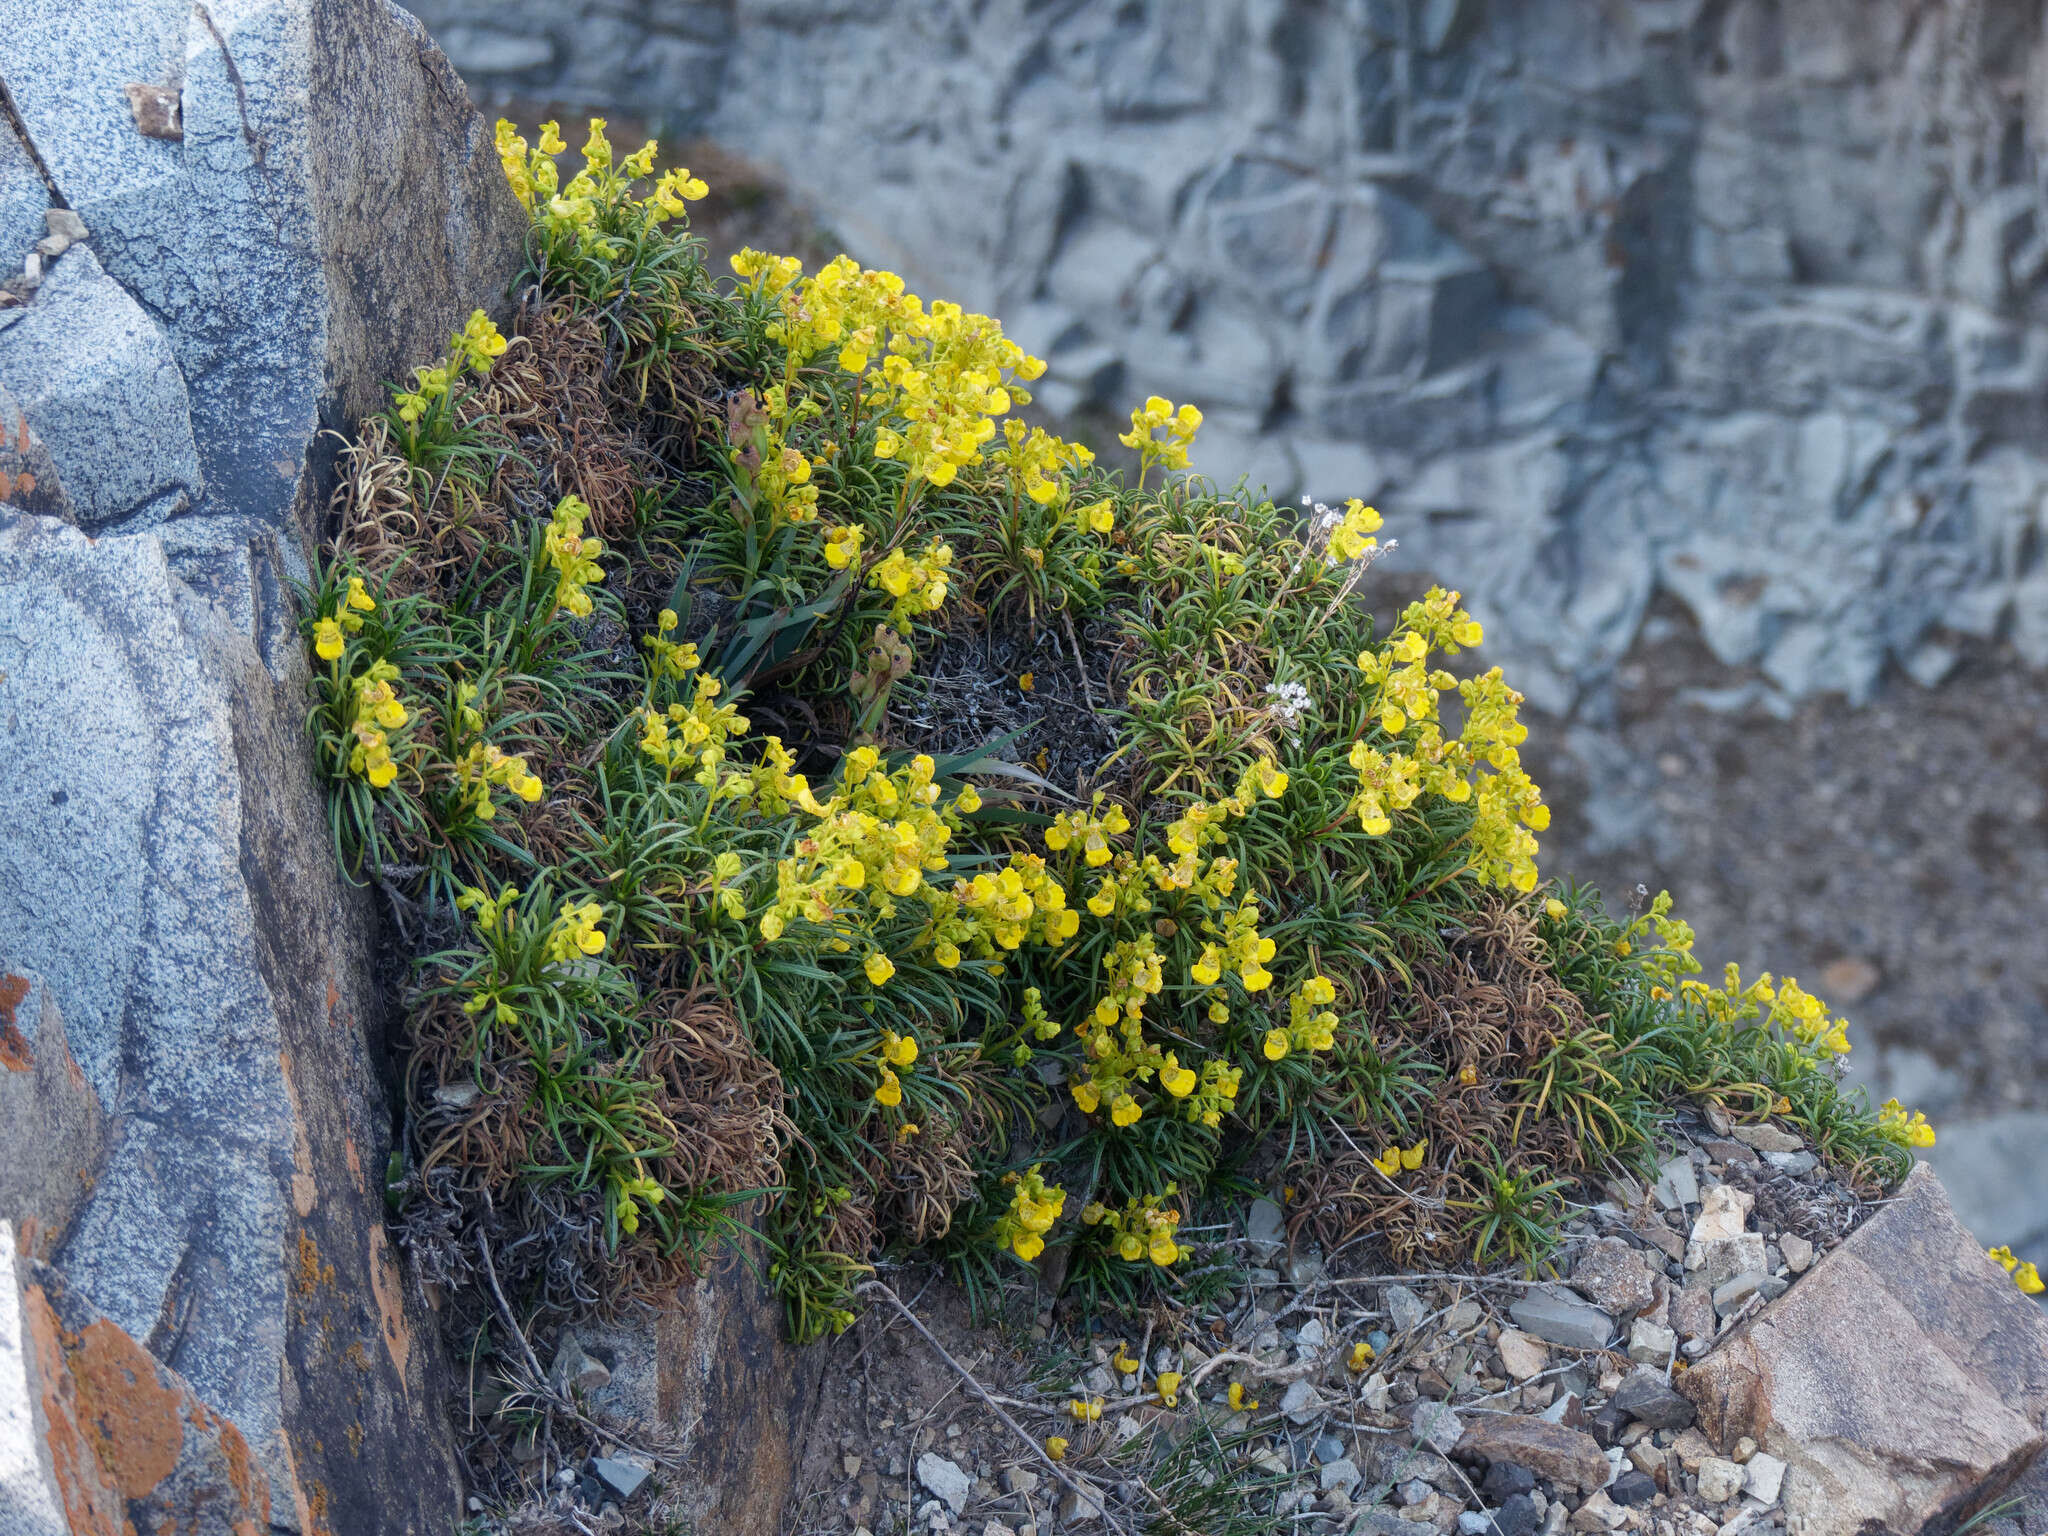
{"x":1739,"y":300}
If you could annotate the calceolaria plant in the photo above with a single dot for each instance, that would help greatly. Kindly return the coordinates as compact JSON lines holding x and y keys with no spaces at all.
{"x":716,"y":927}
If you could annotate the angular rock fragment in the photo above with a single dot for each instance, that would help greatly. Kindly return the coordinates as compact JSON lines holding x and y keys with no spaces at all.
{"x":1903,"y":1378}
{"x":1549,"y":1450}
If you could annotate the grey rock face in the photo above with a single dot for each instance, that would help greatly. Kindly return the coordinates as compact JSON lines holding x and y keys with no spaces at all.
{"x":331,"y":211}
{"x":96,"y":376}
{"x":192,"y":1116}
{"x":1601,"y":300}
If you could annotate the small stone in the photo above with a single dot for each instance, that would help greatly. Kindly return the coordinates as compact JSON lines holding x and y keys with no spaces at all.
{"x":1474,"y":1522}
{"x":946,"y":1479}
{"x":1405,"y":1307}
{"x":1764,"y":1477}
{"x":1307,"y":1268}
{"x":1644,"y":1456}
{"x":1081,"y":1504}
{"x":1767,"y":1138}
{"x":1329,"y":1449}
{"x":1549,"y":1450}
{"x":1632,"y":1488}
{"x":1341,"y":1474}
{"x":621,"y":1478}
{"x":1504,"y":1480}
{"x":1598,"y":1513}
{"x":574,"y":1371}
{"x":1794,"y":1163}
{"x":1436,"y":1426}
{"x":1720,"y":1480}
{"x":1020,"y":1480}
{"x":1379,"y":1340}
{"x":1691,"y":1448}
{"x":1517,"y":1516}
{"x":1744,"y":1449}
{"x":1692,"y":1312}
{"x":1677,"y":1185}
{"x":1613,"y":1275}
{"x":1562,"y":1318}
{"x":1465,"y":1315}
{"x":1730,"y":1295}
{"x":1301,"y":1403}
{"x":1265,"y":1228}
{"x":1312,"y":1335}
{"x":1647,"y":1396}
{"x":1521,"y":1354}
{"x":1377,"y":1393}
{"x":850,"y":1464}
{"x":1651,"y":1343}
{"x":1798,"y":1252}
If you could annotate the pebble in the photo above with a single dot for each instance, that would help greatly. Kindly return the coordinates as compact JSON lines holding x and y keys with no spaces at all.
{"x":1265,"y":1228}
{"x":1613,"y":1275}
{"x":1474,"y":1522}
{"x":1378,"y":1339}
{"x":1301,"y":1403}
{"x":1677,"y":1185}
{"x":1405,"y":1307}
{"x":622,"y":1478}
{"x":1328,"y":1449}
{"x":1764,"y":1477}
{"x":946,"y":1479}
{"x":1767,"y":1138}
{"x":1561,"y":1318}
{"x":1413,"y":1492}
{"x":1651,"y":1343}
{"x":1019,"y":1480}
{"x":1798,"y":1252}
{"x":1341,"y":1474}
{"x":1312,"y":1335}
{"x":1731,"y":1294}
{"x":1437,"y":1426}
{"x":1794,"y":1163}
{"x":1522,"y":1354}
{"x":1720,"y":1480}
{"x":1647,"y":1396}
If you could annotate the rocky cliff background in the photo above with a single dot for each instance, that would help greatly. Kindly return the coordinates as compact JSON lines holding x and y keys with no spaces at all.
{"x":1703,"y":343}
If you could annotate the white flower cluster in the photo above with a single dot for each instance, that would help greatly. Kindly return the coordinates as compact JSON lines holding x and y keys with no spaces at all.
{"x":1290,"y":707}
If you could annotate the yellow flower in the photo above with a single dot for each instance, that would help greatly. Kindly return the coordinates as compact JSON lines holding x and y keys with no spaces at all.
{"x":1122,"y":1360}
{"x":891,"y":1090}
{"x":1025,"y":681}
{"x":879,"y":967}
{"x":1361,"y":1356}
{"x":327,"y":641}
{"x":1389,"y":1161}
{"x":1125,"y":1111}
{"x":2003,"y":1257}
{"x":1087,"y":1410}
{"x":1177,"y":1079}
{"x":2028,"y":1279}
{"x":1100,"y":516}
{"x":1169,"y":1388}
{"x":1555,"y":909}
{"x":1056,"y":1447}
{"x":1276,"y":1044}
{"x":1239,"y":1403}
{"x":898,"y":1050}
{"x":1411,"y":1157}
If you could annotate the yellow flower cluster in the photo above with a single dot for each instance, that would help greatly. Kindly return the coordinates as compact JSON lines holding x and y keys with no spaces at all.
{"x":934,"y":379}
{"x":472,"y":349}
{"x":1201,"y":825}
{"x":628,"y":1194}
{"x":1481,"y":764}
{"x":918,"y":586}
{"x":573,"y":556}
{"x":1037,"y":464}
{"x":842,"y":546}
{"x":672,"y":659}
{"x":1350,"y":539}
{"x":1307,"y":1030}
{"x":1091,"y":829}
{"x":1238,"y":947}
{"x":330,"y":632}
{"x":2024,"y":1275}
{"x":600,"y":188}
{"x":575,"y":934}
{"x":897,"y":1050}
{"x":1155,"y":417}
{"x":1908,"y":1130}
{"x":1000,"y":911}
{"x":1034,"y":1207}
{"x":874,"y":841}
{"x":1216,"y":1094}
{"x":484,"y":767}
{"x":1785,"y":1005}
{"x":1393,"y":1160}
{"x":1142,"y":1229}
{"x":681,"y":736}
{"x":375,"y":709}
